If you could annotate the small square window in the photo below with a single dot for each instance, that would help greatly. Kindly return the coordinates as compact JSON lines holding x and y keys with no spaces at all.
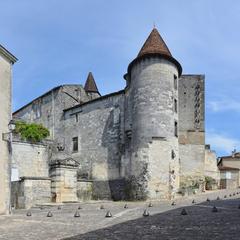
{"x":75,"y":144}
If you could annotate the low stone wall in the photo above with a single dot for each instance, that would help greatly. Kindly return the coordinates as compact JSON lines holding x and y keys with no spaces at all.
{"x":112,"y":190}
{"x":29,"y":159}
{"x":84,"y":190}
{"x":30,"y":191}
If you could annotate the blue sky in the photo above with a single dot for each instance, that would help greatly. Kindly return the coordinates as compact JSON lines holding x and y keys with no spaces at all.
{"x":59,"y":42}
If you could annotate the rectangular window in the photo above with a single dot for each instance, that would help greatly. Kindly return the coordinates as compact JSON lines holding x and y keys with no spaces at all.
{"x":175,"y":128}
{"x":75,"y":144}
{"x":175,"y":82}
{"x":228,"y":175}
{"x":175,"y":105}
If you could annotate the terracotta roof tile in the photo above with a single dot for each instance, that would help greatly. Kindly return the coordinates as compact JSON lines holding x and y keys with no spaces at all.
{"x":154,"y":44}
{"x":90,"y":85}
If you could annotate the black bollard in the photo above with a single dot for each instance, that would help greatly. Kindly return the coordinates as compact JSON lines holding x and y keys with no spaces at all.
{"x":125,"y":206}
{"x":29,"y":214}
{"x":108,"y":214}
{"x":218,"y":198}
{"x":184,"y":212}
{"x":49,"y":214}
{"x":77,"y":214}
{"x":150,"y":205}
{"x":79,"y":207}
{"x":146,"y":213}
{"x":214,"y":209}
{"x":193,"y":201}
{"x":208,"y":200}
{"x":173,"y":203}
{"x":101,"y":207}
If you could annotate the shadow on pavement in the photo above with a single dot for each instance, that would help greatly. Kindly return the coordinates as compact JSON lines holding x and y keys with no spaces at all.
{"x":199,"y":223}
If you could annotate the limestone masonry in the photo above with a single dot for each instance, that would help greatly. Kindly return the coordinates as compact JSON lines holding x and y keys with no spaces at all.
{"x":6,"y":62}
{"x":146,"y":141}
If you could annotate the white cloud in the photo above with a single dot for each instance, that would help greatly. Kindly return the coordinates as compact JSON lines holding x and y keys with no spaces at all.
{"x":224,"y":105}
{"x":222,"y":143}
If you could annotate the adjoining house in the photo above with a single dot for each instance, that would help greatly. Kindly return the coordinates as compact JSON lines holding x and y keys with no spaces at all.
{"x":229,"y":167}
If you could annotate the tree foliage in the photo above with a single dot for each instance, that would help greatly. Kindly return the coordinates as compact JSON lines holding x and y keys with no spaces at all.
{"x":31,"y":132}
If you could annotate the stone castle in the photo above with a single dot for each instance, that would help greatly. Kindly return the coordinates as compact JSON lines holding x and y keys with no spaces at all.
{"x":143,"y":142}
{"x":138,"y":143}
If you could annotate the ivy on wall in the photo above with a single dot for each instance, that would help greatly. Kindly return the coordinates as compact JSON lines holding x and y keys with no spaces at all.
{"x":31,"y":132}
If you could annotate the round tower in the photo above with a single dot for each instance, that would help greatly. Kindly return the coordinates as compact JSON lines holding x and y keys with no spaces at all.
{"x":152,"y":92}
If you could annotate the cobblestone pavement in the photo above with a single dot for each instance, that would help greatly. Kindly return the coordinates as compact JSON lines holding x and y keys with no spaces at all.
{"x":165,"y":221}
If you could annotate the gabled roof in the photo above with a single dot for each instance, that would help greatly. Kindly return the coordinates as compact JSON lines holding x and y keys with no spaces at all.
{"x":46,"y":93}
{"x":154,"y":44}
{"x":90,"y":85}
{"x":7,"y":54}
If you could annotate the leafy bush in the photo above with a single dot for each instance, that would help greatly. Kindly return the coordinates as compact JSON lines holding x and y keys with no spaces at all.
{"x":31,"y":132}
{"x":210,"y":180}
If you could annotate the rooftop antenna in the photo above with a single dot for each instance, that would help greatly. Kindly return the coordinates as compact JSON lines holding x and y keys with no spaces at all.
{"x":154,"y":25}
{"x":234,"y":151}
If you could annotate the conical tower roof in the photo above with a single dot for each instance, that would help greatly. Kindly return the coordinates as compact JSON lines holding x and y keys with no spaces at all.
{"x":90,"y":85}
{"x":154,"y":44}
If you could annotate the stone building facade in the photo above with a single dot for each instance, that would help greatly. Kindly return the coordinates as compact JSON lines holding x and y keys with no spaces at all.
{"x":6,"y":62}
{"x":138,"y":143}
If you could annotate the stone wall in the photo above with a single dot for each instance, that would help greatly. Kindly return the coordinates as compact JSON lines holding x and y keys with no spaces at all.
{"x":30,"y":191}
{"x":31,"y":184}
{"x":210,"y":167}
{"x":5,"y":116}
{"x":97,"y":125}
{"x":84,"y":189}
{"x":191,"y":128}
{"x":29,"y":160}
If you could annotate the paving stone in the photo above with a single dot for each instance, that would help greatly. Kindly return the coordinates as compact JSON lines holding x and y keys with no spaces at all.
{"x":164,"y":221}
